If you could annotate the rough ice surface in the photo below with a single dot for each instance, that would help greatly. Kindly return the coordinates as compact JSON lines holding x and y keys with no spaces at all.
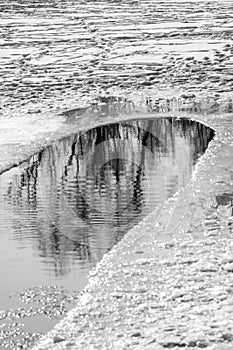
{"x":161,"y":58}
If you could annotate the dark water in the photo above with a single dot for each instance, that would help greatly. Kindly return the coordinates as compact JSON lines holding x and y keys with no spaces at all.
{"x":68,"y":205}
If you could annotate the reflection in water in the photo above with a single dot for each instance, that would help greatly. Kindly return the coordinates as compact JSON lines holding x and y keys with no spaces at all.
{"x":65,"y":207}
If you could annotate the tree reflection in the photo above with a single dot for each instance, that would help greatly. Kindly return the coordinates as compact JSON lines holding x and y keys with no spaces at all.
{"x":79,"y":196}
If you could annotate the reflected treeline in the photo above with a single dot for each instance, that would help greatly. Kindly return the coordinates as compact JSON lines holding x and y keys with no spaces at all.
{"x":102,"y":107}
{"x":198,"y":138}
{"x":78,"y":197}
{"x":189,"y":103}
